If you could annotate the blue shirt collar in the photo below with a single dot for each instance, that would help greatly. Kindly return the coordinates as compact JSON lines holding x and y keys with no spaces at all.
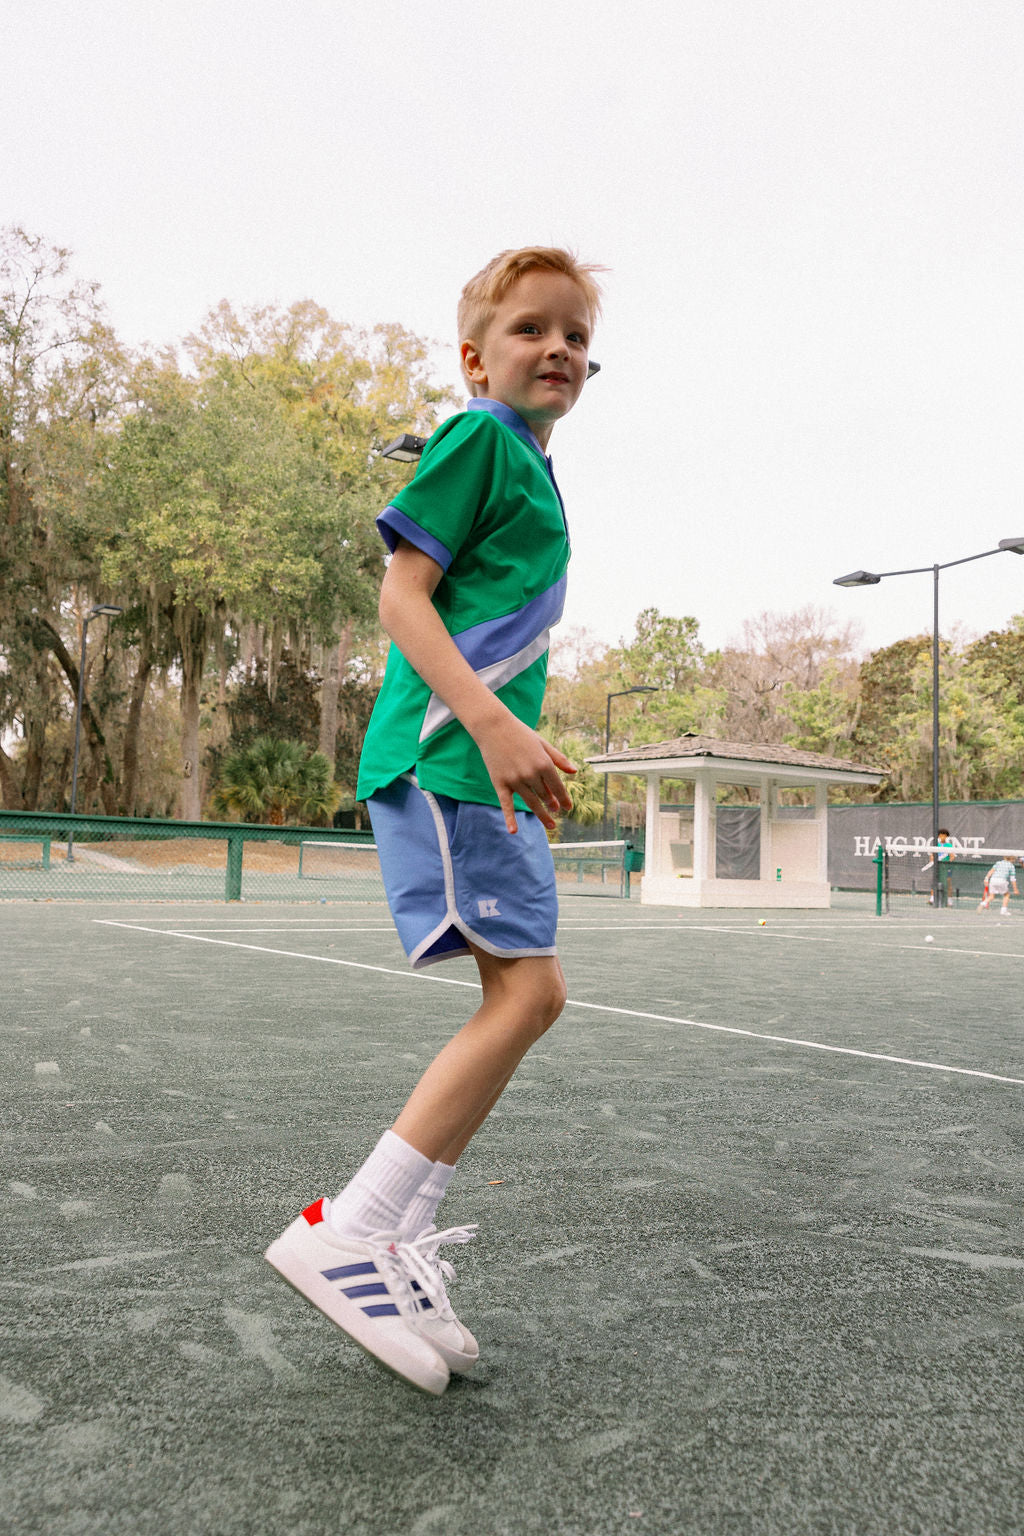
{"x":511,"y":419}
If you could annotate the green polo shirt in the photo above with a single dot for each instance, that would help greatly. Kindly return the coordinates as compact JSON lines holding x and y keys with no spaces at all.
{"x":485,"y":506}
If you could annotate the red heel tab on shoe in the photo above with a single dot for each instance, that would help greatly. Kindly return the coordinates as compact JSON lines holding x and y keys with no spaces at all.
{"x":315,"y":1212}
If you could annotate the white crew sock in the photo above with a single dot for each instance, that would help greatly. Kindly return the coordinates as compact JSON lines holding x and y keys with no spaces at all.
{"x":378,"y":1195}
{"x":423,"y":1206}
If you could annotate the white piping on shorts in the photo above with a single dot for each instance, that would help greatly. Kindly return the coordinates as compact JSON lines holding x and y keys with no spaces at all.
{"x":495,"y":676}
{"x":452,"y":918}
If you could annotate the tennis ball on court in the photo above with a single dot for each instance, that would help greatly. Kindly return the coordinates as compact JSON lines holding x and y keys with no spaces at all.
{"x":928,"y":939}
{"x":761,"y":922}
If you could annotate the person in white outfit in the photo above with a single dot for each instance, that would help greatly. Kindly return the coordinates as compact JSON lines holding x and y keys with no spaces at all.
{"x":997,"y":883}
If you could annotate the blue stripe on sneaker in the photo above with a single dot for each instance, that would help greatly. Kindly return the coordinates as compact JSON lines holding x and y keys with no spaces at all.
{"x":386,"y":1309}
{"x":353,"y":1292}
{"x":344,"y":1271}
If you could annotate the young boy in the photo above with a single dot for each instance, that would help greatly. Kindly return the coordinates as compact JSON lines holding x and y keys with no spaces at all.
{"x":460,"y":790}
{"x":997,"y":883}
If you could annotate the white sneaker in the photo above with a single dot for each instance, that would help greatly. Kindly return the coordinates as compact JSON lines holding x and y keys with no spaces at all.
{"x":437,"y":1321}
{"x":365,"y":1287}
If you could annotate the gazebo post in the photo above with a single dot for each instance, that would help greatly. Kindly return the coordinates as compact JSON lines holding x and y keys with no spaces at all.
{"x":821,"y":822}
{"x":652,"y":840}
{"x":764,"y":789}
{"x":703,"y":828}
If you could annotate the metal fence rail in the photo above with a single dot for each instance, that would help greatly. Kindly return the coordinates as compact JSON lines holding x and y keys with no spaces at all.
{"x":50,"y":856}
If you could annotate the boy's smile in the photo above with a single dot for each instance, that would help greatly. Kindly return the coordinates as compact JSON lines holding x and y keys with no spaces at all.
{"x":533,"y":354}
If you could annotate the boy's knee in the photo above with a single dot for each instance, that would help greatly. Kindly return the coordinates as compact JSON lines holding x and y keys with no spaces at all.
{"x":531,"y":994}
{"x":550,"y":1000}
{"x":539,"y":1004}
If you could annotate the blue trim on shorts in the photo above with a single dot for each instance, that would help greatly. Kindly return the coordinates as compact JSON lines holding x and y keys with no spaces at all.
{"x":454,"y":873}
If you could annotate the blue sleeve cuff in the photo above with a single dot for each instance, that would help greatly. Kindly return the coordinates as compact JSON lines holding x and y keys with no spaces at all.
{"x":393,"y":525}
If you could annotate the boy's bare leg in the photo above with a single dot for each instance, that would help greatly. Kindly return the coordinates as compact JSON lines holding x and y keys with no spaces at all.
{"x":522,"y":998}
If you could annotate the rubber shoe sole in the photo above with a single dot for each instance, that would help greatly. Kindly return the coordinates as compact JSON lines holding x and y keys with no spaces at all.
{"x":453,"y":1342}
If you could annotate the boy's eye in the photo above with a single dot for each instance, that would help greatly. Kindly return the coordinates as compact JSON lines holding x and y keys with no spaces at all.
{"x":576,"y":337}
{"x":529,"y":329}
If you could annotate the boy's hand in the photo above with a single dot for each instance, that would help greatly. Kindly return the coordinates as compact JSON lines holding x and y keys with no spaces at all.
{"x":522,"y":763}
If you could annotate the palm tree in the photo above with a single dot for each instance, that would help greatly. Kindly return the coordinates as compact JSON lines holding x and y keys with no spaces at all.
{"x":275,"y":781}
{"x":586,"y":789}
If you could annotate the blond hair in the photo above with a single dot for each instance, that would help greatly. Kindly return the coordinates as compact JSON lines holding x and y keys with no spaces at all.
{"x":484,"y":292}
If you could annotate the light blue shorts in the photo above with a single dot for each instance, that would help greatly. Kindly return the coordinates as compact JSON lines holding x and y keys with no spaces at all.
{"x":452,"y":871}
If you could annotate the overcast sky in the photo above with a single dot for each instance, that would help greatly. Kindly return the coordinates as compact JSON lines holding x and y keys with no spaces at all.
{"x":813,"y":213}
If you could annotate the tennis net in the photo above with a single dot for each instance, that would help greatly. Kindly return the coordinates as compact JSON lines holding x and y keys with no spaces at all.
{"x":909,"y":879}
{"x":592,"y":869}
{"x":353,"y":869}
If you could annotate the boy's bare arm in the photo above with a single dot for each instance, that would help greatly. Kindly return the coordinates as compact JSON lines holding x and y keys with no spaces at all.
{"x":518,"y":761}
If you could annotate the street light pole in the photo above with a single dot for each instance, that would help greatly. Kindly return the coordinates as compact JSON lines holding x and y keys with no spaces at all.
{"x":93,"y":613}
{"x":871,"y":579}
{"x":608,"y":740}
{"x":936,"y":872}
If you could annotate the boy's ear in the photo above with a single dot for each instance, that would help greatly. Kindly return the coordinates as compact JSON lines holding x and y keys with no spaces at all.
{"x":472,"y":362}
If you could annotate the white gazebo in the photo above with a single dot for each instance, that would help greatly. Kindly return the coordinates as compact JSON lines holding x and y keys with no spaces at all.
{"x":732,"y":825}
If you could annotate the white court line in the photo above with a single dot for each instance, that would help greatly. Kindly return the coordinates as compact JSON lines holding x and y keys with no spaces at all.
{"x":946,"y":949}
{"x":242,"y":928}
{"x":763,"y":937}
{"x":300,"y":926}
{"x":254,"y":914}
{"x":630,"y":1013}
{"x":750,"y":933}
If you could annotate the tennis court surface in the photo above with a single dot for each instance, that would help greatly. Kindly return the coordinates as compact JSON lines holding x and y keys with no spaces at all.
{"x":750,"y":1255}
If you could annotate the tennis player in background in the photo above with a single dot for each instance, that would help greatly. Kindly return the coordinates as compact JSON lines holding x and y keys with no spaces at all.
{"x":997,"y":883}
{"x":461,"y":791}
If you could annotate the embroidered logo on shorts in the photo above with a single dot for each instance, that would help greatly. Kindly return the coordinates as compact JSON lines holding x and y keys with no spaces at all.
{"x":488,"y":908}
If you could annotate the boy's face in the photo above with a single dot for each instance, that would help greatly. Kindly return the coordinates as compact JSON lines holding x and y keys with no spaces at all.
{"x":533,"y":355}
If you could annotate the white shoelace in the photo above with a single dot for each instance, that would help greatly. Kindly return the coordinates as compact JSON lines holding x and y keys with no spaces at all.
{"x":415,"y":1260}
{"x":422,"y":1263}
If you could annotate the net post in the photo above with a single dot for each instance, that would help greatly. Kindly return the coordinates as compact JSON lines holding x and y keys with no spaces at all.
{"x":233,"y":877}
{"x":879,"y":878}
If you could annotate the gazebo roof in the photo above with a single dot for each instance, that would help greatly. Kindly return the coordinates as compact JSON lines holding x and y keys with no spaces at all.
{"x":764,"y":754}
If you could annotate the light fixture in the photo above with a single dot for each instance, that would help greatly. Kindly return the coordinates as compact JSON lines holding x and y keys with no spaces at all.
{"x":405,"y":449}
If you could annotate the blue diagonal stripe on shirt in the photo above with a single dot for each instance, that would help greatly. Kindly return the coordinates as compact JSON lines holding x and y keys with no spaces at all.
{"x":492,"y":651}
{"x":495,"y":639}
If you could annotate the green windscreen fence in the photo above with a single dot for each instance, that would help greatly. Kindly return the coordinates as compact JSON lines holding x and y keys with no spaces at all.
{"x":54,"y":857}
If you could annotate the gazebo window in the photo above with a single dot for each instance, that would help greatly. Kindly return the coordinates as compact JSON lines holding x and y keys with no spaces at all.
{"x":675,"y":828}
{"x":794,"y":802}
